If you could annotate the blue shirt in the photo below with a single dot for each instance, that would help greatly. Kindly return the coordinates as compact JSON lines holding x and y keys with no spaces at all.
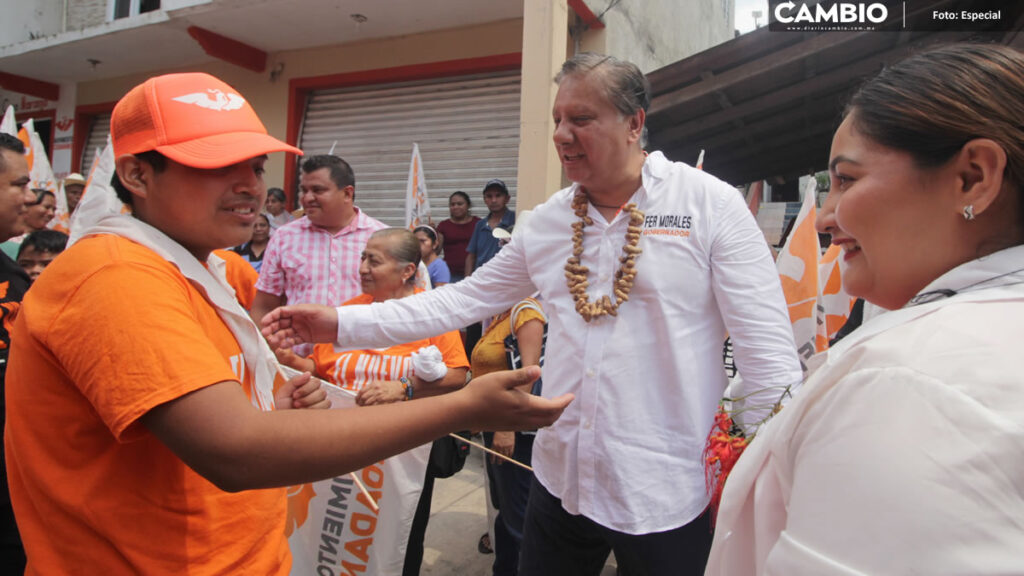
{"x":483,"y":243}
{"x":439,"y":273}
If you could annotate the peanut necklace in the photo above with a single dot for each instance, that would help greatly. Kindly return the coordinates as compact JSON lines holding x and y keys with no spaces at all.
{"x":576,"y":273}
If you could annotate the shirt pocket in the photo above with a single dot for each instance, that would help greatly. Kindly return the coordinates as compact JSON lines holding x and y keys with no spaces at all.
{"x":297,"y":272}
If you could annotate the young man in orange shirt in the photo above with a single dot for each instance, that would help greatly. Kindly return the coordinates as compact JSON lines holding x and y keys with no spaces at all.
{"x":134,"y":444}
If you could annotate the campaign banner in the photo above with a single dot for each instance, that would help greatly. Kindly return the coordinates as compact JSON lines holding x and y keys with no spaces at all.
{"x":333,"y":528}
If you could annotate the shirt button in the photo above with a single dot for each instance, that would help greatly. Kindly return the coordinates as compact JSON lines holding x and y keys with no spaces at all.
{"x":590,"y":373}
{"x":586,"y":425}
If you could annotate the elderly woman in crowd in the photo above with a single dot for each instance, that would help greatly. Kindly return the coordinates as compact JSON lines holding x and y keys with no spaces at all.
{"x":904,"y":452}
{"x":388,"y":271}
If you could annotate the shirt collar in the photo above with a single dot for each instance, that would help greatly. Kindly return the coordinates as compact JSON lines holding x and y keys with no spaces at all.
{"x":507,"y":219}
{"x":655,"y":167}
{"x":996,"y":269}
{"x":359,"y":221}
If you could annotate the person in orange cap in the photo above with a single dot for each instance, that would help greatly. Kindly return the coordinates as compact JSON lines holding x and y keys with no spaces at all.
{"x":147,"y":440}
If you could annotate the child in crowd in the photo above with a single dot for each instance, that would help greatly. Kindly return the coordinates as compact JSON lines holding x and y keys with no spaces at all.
{"x":429,"y":248}
{"x":38,"y":249}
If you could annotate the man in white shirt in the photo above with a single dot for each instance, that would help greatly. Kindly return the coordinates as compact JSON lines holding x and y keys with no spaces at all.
{"x":643,"y":265}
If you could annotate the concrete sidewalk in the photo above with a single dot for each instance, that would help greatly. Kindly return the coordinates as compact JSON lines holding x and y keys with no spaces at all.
{"x":458,"y":516}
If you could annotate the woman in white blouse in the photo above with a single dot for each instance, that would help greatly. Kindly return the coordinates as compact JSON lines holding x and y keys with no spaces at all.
{"x":904,"y":452}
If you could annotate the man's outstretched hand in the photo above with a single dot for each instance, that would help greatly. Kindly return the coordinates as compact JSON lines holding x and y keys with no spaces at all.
{"x":288,"y":326}
{"x":497,"y":404}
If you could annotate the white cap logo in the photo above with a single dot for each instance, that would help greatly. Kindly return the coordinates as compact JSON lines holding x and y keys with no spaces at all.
{"x":219,"y":102}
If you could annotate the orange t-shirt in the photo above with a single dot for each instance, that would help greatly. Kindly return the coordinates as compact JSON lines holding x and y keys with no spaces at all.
{"x":353,"y":369}
{"x":241,"y":275}
{"x":112,"y":331}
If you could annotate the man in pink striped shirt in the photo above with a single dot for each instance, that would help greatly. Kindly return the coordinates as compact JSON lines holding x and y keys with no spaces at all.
{"x":315,"y":259}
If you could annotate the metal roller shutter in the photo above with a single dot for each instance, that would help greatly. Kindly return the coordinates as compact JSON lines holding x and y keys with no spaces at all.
{"x":467,"y":128}
{"x":95,"y":142}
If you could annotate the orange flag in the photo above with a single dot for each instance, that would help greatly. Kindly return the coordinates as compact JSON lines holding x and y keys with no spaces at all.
{"x":834,"y":303}
{"x":798,"y":271}
{"x":812,"y":283}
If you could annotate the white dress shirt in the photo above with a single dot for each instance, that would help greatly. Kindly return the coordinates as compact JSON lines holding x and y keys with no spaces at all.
{"x":627,"y":453}
{"x":903,"y":453}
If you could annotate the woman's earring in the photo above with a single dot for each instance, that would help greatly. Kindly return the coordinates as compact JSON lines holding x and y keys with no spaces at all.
{"x":969,"y":212}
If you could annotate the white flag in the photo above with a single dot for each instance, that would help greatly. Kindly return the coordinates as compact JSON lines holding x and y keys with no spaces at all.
{"x":96,"y":158}
{"x":9,"y":125}
{"x":60,"y":216}
{"x":39,"y":171}
{"x":417,"y":204}
{"x":99,"y":197}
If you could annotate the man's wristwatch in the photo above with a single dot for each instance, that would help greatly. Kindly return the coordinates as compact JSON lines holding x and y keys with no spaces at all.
{"x":406,"y":387}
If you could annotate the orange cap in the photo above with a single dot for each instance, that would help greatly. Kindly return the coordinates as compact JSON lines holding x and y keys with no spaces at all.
{"x":193,"y":119}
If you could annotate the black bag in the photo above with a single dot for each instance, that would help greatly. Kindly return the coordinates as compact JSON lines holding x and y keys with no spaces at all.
{"x":447,"y":456}
{"x":512,"y":355}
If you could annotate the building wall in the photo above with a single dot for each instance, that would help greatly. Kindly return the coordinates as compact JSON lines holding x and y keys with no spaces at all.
{"x":86,"y":13}
{"x":651,"y":33}
{"x":269,"y":96}
{"x":544,"y":41}
{"x":654,"y":33}
{"x":22,"y":21}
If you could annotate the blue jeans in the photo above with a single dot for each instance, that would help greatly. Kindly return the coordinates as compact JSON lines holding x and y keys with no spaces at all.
{"x":511,"y":483}
{"x":557,"y":543}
